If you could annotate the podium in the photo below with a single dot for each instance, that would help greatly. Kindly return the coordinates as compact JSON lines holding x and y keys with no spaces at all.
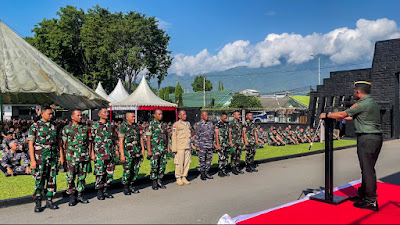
{"x":327,"y":196}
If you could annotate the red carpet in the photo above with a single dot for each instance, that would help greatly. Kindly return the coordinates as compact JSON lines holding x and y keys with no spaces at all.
{"x":314,"y":212}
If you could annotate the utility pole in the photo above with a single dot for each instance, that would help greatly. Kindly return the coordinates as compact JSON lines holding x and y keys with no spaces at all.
{"x":204,"y":91}
{"x":319,"y":70}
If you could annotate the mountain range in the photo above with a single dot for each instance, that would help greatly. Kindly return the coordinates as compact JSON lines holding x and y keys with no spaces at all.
{"x":286,"y":77}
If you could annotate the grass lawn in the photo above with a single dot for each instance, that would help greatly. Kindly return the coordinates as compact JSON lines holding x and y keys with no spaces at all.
{"x":18,"y":186}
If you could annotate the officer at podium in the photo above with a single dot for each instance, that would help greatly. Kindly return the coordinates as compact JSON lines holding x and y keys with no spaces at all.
{"x":366,"y":115}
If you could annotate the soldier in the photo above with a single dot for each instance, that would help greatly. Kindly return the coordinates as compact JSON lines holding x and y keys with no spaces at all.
{"x":250,"y":140}
{"x":272,"y":139}
{"x":11,"y":161}
{"x":203,"y":140}
{"x":236,"y":141}
{"x":157,"y":148}
{"x":222,"y":144}
{"x":103,"y":138}
{"x":43,"y":153}
{"x":304,"y":135}
{"x":366,"y":116}
{"x":130,"y":135}
{"x":181,"y":146}
{"x":76,"y":150}
{"x":293,"y":137}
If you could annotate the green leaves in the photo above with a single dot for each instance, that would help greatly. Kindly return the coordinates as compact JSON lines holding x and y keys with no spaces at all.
{"x":102,"y":46}
{"x":198,"y":84}
{"x":243,"y":101}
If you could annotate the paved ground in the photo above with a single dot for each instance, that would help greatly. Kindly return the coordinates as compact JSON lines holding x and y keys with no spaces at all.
{"x":206,"y":201}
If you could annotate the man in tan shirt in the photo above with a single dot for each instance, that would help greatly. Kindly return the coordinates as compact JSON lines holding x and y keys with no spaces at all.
{"x":181,"y":133}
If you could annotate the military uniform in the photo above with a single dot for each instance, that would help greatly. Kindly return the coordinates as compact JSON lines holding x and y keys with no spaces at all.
{"x":159,"y":148}
{"x":76,"y":138}
{"x":13,"y":161}
{"x":44,"y":136}
{"x":223,"y":140}
{"x":249,"y":128}
{"x":236,"y":131}
{"x":204,"y":139}
{"x":366,"y":116}
{"x":104,"y":138}
{"x":181,"y":146}
{"x":132,"y":150}
{"x":271,"y":142}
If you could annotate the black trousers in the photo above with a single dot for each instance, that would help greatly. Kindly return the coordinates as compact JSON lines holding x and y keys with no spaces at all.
{"x":368,"y":149}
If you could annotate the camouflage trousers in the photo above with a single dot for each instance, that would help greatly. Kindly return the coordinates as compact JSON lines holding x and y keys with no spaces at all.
{"x":205,"y":158}
{"x":250,"y":153}
{"x":45,"y":173}
{"x":236,"y":152}
{"x":223,"y":157}
{"x":158,"y":162}
{"x":131,"y":169}
{"x":104,"y":170}
{"x":78,"y":170}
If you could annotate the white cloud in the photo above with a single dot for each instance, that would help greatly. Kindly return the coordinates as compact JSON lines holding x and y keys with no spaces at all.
{"x":341,"y":45}
{"x":163,"y":24}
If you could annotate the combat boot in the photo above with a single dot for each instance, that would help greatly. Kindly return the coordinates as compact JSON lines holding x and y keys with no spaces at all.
{"x":239,"y":171}
{"x":220,"y":173}
{"x":106,"y":194}
{"x":234,"y":170}
{"x":202,"y":175}
{"x":249,"y":169}
{"x":50,"y":204}
{"x":134,"y":189}
{"x":100,"y":194}
{"x":72,"y":200}
{"x":154,"y":185}
{"x":253,"y":167}
{"x":38,"y":206}
{"x":225,"y":173}
{"x":127,"y":191}
{"x":208,"y":176}
{"x":82,"y":199}
{"x":160,"y":184}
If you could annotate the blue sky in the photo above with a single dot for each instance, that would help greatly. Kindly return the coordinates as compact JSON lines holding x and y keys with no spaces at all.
{"x":241,"y":25}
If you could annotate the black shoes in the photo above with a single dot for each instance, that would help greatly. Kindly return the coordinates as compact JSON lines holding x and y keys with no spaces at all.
{"x":154,"y":185}
{"x":355,"y":198}
{"x":203,"y":176}
{"x":127,"y":190}
{"x":225,"y":173}
{"x":106,"y":194}
{"x":208,"y":176}
{"x":239,"y":171}
{"x":38,"y":206}
{"x":221,"y":174}
{"x":72,"y":200}
{"x":50,"y":204}
{"x":234,"y":170}
{"x":367,"y":205}
{"x":249,"y":169}
{"x":100,"y":194}
{"x":160,"y":185}
{"x":134,"y":190}
{"x":81,"y":199}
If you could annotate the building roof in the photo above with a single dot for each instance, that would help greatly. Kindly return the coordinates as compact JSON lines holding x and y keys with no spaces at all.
{"x":273,"y":103}
{"x":118,"y":94}
{"x":195,"y":99}
{"x":29,"y":77}
{"x":303,"y":100}
{"x":144,"y":96}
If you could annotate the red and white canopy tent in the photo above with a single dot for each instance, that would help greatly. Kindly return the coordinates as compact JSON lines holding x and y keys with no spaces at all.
{"x":143,"y":98}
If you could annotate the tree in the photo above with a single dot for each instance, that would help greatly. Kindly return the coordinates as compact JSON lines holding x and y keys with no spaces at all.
{"x":219,"y":85}
{"x":102,"y":46}
{"x":222,"y":86}
{"x":243,"y":101}
{"x":198,"y":84}
{"x":178,"y":95}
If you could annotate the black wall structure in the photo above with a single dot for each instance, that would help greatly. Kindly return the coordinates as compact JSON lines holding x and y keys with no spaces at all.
{"x":336,"y":93}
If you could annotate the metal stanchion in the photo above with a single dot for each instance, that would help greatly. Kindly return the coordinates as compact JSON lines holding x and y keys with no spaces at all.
{"x":327,"y":196}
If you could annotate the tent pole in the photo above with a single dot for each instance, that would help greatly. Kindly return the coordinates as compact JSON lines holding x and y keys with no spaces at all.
{"x":110,"y":112}
{"x":176,"y":114}
{"x":136,"y":115}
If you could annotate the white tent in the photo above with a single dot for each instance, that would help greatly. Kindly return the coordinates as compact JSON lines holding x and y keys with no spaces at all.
{"x":119,"y":93}
{"x":144,"y":96}
{"x":28,"y":77}
{"x":100,"y":91}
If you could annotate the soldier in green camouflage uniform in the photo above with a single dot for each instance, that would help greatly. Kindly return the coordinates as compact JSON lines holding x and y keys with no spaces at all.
{"x":103,"y":137}
{"x":76,"y":150}
{"x":236,"y":141}
{"x":131,"y":148}
{"x":157,"y":148}
{"x":251,"y":141}
{"x":222,"y":144}
{"x":43,"y":152}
